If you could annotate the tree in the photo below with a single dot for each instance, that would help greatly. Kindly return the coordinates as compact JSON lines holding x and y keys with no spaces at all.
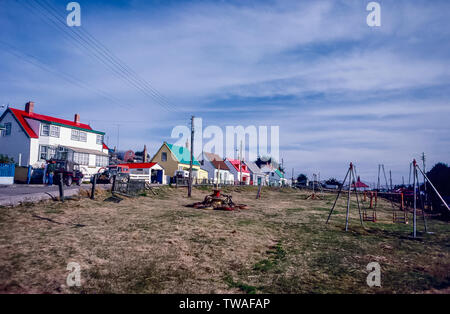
{"x":333,"y":181}
{"x":302,"y":178}
{"x":4,"y":159}
{"x":439,"y":175}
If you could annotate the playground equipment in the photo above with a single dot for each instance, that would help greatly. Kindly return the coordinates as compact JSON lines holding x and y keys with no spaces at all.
{"x":350,"y":173}
{"x":372,"y":206}
{"x":314,"y":196}
{"x":403,"y":217}
{"x":218,"y":201}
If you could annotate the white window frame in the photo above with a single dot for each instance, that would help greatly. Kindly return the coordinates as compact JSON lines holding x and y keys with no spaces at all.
{"x":45,"y":129}
{"x":50,"y":152}
{"x":81,"y":158}
{"x":78,"y":136}
{"x":99,"y":139}
{"x":7,"y":130}
{"x":101,"y":161}
{"x":54,"y":131}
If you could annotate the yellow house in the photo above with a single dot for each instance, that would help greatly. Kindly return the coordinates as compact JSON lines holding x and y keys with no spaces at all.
{"x":173,"y":158}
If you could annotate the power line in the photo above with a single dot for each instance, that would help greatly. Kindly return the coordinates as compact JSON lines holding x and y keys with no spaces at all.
{"x":93,"y":52}
{"x":69,"y":78}
{"x":105,"y":52}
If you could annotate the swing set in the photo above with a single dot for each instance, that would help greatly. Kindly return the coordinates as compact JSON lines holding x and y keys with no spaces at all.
{"x":364,"y":214}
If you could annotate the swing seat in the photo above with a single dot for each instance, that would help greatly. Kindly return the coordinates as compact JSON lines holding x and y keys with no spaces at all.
{"x":372,"y":218}
{"x":400,"y":219}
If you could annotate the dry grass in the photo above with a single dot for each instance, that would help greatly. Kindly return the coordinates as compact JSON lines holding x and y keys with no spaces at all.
{"x":153,"y":244}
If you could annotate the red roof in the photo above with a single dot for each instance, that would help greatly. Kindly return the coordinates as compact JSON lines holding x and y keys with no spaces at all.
{"x":21,"y":115}
{"x":235,"y":163}
{"x":104,"y":146}
{"x":360,"y":184}
{"x":139,"y":165}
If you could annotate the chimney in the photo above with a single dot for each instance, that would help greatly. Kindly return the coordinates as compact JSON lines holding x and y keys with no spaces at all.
{"x":29,"y":107}
{"x":77,"y":118}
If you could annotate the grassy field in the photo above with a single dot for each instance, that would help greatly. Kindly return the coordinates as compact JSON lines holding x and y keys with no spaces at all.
{"x":154,"y":244}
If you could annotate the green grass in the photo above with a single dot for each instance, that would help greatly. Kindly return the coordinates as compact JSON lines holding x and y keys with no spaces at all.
{"x":240,"y":285}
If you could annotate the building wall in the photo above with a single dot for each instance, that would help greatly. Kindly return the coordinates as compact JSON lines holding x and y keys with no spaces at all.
{"x":209,"y":167}
{"x":66,"y":140}
{"x":16,"y":143}
{"x":170,"y":165}
{"x":19,"y":142}
{"x":237,"y":174}
{"x":225,"y":176}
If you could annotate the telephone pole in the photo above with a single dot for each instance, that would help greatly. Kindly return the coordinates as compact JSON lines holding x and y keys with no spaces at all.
{"x":240,"y":167}
{"x":390,"y":178}
{"x":192,"y":158}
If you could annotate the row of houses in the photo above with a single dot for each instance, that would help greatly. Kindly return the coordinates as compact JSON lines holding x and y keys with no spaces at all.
{"x":32,"y":139}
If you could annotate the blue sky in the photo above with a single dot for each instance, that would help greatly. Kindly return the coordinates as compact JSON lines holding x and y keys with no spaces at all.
{"x":339,"y":90}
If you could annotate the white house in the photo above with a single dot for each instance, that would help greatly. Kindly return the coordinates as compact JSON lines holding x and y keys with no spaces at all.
{"x":218,"y":171}
{"x":151,"y":172}
{"x":32,"y":138}
{"x":274,"y":176}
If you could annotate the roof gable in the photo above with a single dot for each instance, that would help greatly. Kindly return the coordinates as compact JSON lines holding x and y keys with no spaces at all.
{"x":235,"y":163}
{"x":21,"y":121}
{"x":216,"y":161}
{"x":20,"y":116}
{"x":253,"y":167}
{"x":182,"y":154}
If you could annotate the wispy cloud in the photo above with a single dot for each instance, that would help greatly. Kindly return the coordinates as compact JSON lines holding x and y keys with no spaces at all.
{"x":338,"y":89}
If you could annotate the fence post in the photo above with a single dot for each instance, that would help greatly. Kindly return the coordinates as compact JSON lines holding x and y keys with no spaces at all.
{"x":61,"y":189}
{"x":113,"y":188}
{"x":94,"y":182}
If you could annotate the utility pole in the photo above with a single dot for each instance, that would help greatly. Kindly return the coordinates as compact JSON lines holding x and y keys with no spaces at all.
{"x":390,"y":178}
{"x":378,"y":183}
{"x":240,"y":167}
{"x":409,"y":180}
{"x":192,"y":158}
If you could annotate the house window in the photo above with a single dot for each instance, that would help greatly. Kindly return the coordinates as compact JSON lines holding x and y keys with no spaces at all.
{"x":83,"y":136}
{"x":62,"y":153}
{"x":164,"y":157}
{"x":46,"y":152}
{"x":54,"y":131}
{"x":99,"y":139}
{"x":79,"y":136}
{"x":101,"y":161}
{"x":81,"y":158}
{"x":7,"y":129}
{"x":45,"y":130}
{"x":50,"y":130}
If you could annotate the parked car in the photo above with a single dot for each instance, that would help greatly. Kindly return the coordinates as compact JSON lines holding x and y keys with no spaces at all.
{"x":70,"y":170}
{"x":122,"y":174}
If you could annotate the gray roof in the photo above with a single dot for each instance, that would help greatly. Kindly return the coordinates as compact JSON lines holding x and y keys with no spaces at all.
{"x":253,"y":167}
